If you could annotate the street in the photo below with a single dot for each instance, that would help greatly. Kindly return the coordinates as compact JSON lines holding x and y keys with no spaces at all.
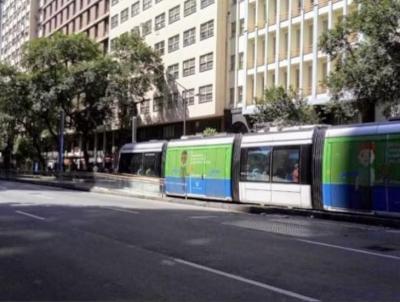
{"x":59,"y":245}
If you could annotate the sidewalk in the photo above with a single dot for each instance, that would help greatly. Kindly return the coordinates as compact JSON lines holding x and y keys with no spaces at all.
{"x":230,"y":206}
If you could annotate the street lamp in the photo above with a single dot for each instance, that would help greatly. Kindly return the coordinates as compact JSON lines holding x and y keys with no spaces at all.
{"x":184,"y":91}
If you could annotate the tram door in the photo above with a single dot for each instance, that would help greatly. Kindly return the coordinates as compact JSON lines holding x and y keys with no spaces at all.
{"x":255,"y":175}
{"x":286,"y":188}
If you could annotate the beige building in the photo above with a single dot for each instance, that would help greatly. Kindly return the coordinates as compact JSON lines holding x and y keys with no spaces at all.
{"x":19,"y":23}
{"x":275,"y":42}
{"x":75,"y":16}
{"x":190,"y":35}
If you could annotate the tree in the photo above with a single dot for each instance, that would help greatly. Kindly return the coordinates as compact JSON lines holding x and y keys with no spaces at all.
{"x":140,"y":71}
{"x":17,"y":114}
{"x":279,"y":107}
{"x":69,"y":73}
{"x":366,"y":72}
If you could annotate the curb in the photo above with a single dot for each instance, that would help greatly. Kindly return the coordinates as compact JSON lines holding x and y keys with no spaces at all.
{"x":233,"y":207}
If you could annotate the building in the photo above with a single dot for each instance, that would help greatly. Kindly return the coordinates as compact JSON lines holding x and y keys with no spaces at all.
{"x":190,"y":35}
{"x":19,"y":23}
{"x":275,"y":43}
{"x":75,"y":16}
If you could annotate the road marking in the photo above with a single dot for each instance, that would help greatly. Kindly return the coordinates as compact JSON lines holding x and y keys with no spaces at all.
{"x":202,"y":217}
{"x":30,"y":215}
{"x":349,"y":249}
{"x":123,"y":211}
{"x":248,"y":281}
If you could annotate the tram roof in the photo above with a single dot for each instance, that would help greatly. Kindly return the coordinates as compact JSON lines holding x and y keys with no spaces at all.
{"x":364,"y":129}
{"x":151,"y":146}
{"x":299,"y":135}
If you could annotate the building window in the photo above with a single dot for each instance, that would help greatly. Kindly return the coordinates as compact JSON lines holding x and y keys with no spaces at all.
{"x":114,"y":21}
{"x":241,"y":27}
{"x":173,"y":43}
{"x":145,"y":107}
{"x":233,"y":29}
{"x":207,"y":30}
{"x":241,"y":60}
{"x":189,"y":67}
{"x":255,"y":164}
{"x":189,"y":7}
{"x":146,"y":28}
{"x":205,"y":94}
{"x":124,"y":15}
{"x":174,"y":14}
{"x":206,"y":62}
{"x":146,"y":4}
{"x":285,"y":165}
{"x":233,"y":63}
{"x":135,"y":9}
{"x":188,"y":97}
{"x":173,"y":99}
{"x":240,"y":94}
{"x":173,"y":71}
{"x":205,"y":3}
{"x":160,"y":48}
{"x":160,"y":21}
{"x":158,"y":103}
{"x":114,"y":2}
{"x":136,"y":30}
{"x":189,"y":37}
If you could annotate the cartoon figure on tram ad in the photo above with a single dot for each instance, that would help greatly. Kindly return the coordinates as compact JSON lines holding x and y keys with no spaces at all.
{"x":365,"y":175}
{"x":184,"y":169}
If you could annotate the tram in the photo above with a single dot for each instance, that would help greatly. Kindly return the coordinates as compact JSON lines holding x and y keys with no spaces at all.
{"x":353,"y":168}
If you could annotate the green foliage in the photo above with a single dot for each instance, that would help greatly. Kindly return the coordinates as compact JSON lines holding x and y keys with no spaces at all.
{"x":366,"y":71}
{"x":70,"y":74}
{"x":140,"y":70}
{"x":284,"y":108}
{"x":209,"y":132}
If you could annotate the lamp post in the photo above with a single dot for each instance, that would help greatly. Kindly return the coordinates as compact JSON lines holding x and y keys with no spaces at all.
{"x":61,"y":143}
{"x":170,"y":77}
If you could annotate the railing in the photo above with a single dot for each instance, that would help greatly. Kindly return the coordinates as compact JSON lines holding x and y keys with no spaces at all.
{"x":322,"y":88}
{"x":283,"y":56}
{"x":272,"y":20}
{"x":296,"y":12}
{"x":295,"y":52}
{"x":271,"y":59}
{"x":306,"y":91}
{"x":124,"y":183}
{"x":322,"y":3}
{"x":308,"y":49}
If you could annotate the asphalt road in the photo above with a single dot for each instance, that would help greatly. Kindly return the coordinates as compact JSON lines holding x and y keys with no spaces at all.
{"x":59,"y":245}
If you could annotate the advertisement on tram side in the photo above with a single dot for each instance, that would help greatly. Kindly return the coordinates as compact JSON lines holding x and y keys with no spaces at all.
{"x":199,"y":171}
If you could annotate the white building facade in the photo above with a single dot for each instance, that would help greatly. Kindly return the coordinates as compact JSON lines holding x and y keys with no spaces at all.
{"x":190,"y":36}
{"x":19,"y":23}
{"x":275,"y":43}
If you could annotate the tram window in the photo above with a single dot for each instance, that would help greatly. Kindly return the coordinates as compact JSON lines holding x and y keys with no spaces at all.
{"x":150,"y":164}
{"x":124,"y":162}
{"x":135,"y":166}
{"x":255,"y":164}
{"x":286,"y":165}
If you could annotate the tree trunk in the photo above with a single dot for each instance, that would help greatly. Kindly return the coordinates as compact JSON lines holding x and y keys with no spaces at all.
{"x":85,"y":152}
{"x":39,"y":154}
